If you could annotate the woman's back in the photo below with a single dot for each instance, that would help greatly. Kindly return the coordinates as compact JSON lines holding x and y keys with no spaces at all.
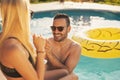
{"x":11,"y":51}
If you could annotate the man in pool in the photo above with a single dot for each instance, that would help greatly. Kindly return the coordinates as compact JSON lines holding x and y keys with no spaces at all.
{"x":63,"y":54}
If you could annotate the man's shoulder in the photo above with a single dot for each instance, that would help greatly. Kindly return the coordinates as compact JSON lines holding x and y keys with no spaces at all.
{"x":75,"y":47}
{"x":74,"y":43}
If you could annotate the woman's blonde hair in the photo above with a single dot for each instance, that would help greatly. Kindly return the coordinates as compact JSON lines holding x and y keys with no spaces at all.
{"x":16,"y":21}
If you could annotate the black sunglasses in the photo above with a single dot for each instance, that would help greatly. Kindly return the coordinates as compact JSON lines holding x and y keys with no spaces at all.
{"x":59,"y":28}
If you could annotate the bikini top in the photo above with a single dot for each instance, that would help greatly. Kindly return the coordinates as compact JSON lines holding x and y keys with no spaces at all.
{"x":12,"y":72}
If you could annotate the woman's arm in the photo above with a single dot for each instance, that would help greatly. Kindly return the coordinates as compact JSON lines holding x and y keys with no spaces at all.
{"x":39,"y":43}
{"x":40,"y":68}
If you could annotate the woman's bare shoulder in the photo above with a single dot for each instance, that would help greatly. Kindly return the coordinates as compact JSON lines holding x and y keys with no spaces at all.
{"x":10,"y":45}
{"x":10,"y":50}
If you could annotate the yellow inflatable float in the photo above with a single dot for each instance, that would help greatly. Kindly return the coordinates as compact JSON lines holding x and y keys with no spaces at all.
{"x":101,"y":42}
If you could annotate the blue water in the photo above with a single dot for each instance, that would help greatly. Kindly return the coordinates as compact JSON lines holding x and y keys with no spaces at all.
{"x":111,"y":15}
{"x":98,"y":69}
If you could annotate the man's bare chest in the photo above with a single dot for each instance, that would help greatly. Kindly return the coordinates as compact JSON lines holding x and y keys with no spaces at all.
{"x":61,"y":53}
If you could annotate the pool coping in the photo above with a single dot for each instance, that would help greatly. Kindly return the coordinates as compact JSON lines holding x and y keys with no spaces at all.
{"x":72,"y":5}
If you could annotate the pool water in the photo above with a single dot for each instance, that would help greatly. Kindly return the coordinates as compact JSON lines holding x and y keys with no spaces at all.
{"x":87,"y":68}
{"x":98,"y":69}
{"x":79,"y":19}
{"x":80,"y":12}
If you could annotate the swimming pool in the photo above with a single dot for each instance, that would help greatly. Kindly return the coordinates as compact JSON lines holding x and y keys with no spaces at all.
{"x":111,"y":15}
{"x":79,"y":19}
{"x":87,"y":68}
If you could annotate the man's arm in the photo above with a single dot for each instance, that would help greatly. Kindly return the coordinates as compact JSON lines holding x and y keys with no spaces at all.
{"x":51,"y":58}
{"x":56,"y":63}
{"x":70,"y":64}
{"x":73,"y":57}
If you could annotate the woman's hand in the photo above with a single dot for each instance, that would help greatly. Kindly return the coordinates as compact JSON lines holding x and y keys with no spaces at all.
{"x":39,"y":42}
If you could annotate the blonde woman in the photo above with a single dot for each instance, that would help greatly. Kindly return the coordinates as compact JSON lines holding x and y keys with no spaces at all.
{"x":16,"y":53}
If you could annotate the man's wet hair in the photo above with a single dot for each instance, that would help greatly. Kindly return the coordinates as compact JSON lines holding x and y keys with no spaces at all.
{"x":64,"y":16}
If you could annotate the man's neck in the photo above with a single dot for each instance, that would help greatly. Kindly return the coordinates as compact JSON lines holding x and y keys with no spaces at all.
{"x":63,"y":42}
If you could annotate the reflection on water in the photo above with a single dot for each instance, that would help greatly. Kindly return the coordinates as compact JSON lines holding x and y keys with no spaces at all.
{"x":84,"y":19}
{"x":98,"y":69}
{"x":42,"y":25}
{"x":88,"y":68}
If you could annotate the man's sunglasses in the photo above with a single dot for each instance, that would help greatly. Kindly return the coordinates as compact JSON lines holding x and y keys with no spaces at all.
{"x":59,"y":28}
